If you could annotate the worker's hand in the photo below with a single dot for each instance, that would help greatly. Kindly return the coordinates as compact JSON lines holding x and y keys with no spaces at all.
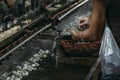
{"x":75,"y":34}
{"x":83,"y":36}
{"x":84,"y":22}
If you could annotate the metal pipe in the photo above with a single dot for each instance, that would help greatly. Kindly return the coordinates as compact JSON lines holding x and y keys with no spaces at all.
{"x":73,"y":9}
{"x":94,"y":68}
{"x":2,"y":57}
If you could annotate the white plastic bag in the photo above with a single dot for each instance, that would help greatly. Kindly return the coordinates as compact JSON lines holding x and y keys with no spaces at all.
{"x":110,"y":53}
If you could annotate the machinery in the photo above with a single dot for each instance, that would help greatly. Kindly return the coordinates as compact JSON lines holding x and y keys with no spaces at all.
{"x":31,"y":38}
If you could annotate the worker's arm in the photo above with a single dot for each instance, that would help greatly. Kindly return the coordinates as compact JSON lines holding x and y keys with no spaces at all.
{"x":96,"y":23}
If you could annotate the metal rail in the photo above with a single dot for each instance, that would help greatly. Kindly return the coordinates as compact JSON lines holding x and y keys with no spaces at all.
{"x":72,"y":9}
{"x":2,"y":57}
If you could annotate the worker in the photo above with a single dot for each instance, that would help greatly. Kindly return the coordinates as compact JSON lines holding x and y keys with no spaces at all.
{"x":34,"y":4}
{"x":103,"y":10}
{"x":20,"y":8}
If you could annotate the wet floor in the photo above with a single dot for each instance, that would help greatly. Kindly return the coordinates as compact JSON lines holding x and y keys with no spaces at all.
{"x":66,"y":72}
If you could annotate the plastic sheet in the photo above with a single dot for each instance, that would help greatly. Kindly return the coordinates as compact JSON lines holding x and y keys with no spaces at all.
{"x":110,"y":54}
